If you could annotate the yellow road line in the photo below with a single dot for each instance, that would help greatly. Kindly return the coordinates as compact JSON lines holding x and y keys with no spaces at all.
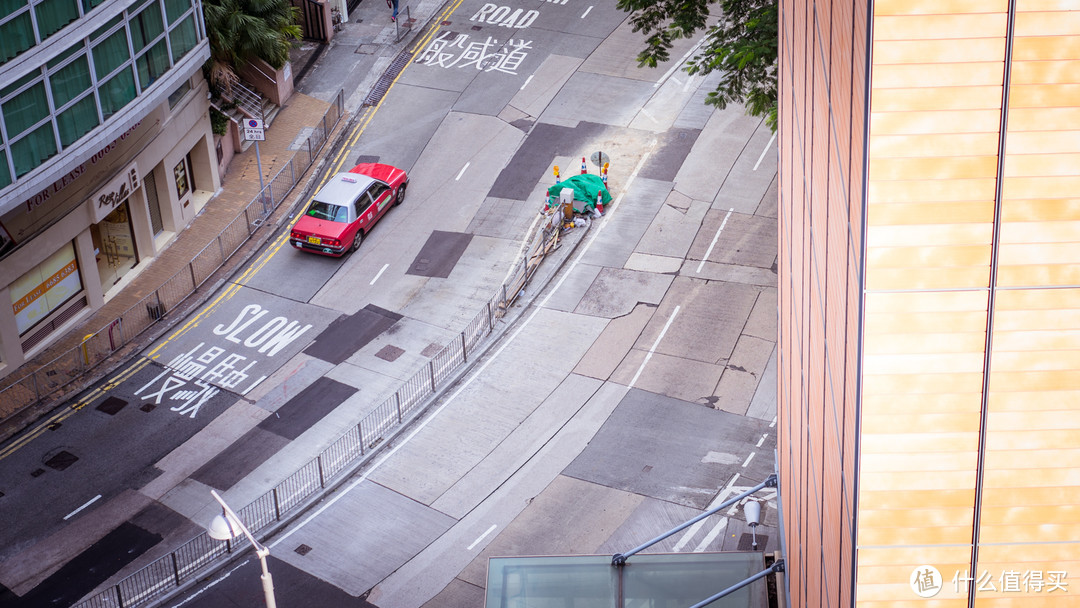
{"x":69,"y":411}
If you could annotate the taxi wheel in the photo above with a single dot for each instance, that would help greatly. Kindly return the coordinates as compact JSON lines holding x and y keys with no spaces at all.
{"x":357,"y":240}
{"x":400,"y":198}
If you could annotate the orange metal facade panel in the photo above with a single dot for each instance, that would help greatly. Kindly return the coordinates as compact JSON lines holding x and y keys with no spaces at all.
{"x":931,"y":144}
{"x":1063,"y":23}
{"x":927,"y":258}
{"x":936,"y":7}
{"x":1033,"y":231}
{"x":1006,"y":497}
{"x":943,"y":98}
{"x":915,"y":423}
{"x":1039,"y":72}
{"x":954,"y":498}
{"x":1041,"y":165}
{"x":1042,"y":48}
{"x":931,"y":213}
{"x":925,"y":74}
{"x":937,"y":403}
{"x":942,"y":167}
{"x":902,"y":443}
{"x":931,"y":27}
{"x":882,"y":344}
{"x":931,"y":122}
{"x":936,"y":278}
{"x":938,"y":51}
{"x":938,"y":191}
{"x":1018,"y":401}
{"x":1044,"y":95}
{"x":895,"y":384}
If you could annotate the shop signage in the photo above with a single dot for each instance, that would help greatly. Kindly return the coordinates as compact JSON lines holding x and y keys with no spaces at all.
{"x":115,"y":192}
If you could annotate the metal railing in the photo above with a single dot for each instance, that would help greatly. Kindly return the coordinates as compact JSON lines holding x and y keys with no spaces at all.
{"x":53,"y":376}
{"x":336,"y":460}
{"x":250,"y":102}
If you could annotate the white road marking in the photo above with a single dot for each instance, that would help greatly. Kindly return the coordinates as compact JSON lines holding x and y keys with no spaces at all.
{"x":86,"y":504}
{"x":676,"y":81}
{"x":253,"y":385}
{"x":773,"y":423}
{"x":762,"y":440}
{"x":693,"y":530}
{"x":678,"y":64}
{"x":586,"y":11}
{"x":379,"y":274}
{"x":767,"y":146}
{"x":472,"y":377}
{"x":212,"y":583}
{"x":646,"y":114}
{"x":480,"y":538}
{"x":748,"y":459}
{"x":462,"y":172}
{"x":715,"y":238}
{"x":655,"y":344}
{"x":720,"y":526}
{"x":526,"y":82}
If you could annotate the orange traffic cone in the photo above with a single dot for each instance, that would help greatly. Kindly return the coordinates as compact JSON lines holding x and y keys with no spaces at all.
{"x":584,"y":169}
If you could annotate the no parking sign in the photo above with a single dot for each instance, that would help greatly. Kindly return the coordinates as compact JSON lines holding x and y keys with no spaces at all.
{"x":253,"y":129}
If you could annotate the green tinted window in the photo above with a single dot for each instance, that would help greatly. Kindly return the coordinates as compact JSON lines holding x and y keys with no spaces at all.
{"x":98,"y":33}
{"x":110,"y":54}
{"x":10,"y":6}
{"x":175,"y":8}
{"x":152,"y":64}
{"x":55,"y":14}
{"x":70,"y":81}
{"x":5,"y":174}
{"x":25,"y":110}
{"x":146,"y":26}
{"x":32,"y":150}
{"x":16,"y":36}
{"x":89,"y":4}
{"x":77,"y":120}
{"x":183,"y":38}
{"x":11,"y":88}
{"x":116,"y":93}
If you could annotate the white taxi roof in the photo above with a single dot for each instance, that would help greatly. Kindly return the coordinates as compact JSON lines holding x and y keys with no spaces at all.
{"x":343,"y":188}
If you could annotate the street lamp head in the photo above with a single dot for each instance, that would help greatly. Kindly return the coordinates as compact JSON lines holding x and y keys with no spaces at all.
{"x":224,"y":527}
{"x":752,"y":509}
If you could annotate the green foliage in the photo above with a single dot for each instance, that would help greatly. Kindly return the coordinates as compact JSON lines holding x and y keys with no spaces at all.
{"x":241,"y":30}
{"x":742,"y":46}
{"x":219,"y":123}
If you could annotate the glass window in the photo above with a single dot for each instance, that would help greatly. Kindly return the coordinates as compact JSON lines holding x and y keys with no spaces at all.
{"x":10,"y":6}
{"x":152,"y":64}
{"x":16,"y":36}
{"x":45,"y":288}
{"x":183,"y":38}
{"x":55,"y":14}
{"x":77,"y":120}
{"x":178,"y":94}
{"x":146,"y":26}
{"x":70,"y":81}
{"x":89,"y":4}
{"x":25,"y":110}
{"x":116,"y":93}
{"x":111,"y":23}
{"x":328,"y":211}
{"x":110,"y":54}
{"x":55,"y":61}
{"x":173,"y":9}
{"x":5,"y":173}
{"x":18,"y":84}
{"x":34,"y":149}
{"x":377,"y":189}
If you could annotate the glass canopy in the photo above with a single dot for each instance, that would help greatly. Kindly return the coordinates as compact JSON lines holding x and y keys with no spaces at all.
{"x":676,"y":580}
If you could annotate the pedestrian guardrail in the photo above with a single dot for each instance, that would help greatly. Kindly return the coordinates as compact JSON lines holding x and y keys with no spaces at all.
{"x":50,"y":378}
{"x":340,"y":457}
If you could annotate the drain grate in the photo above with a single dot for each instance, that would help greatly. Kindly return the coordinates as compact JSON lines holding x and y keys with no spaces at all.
{"x":387,"y":78}
{"x":303,"y":549}
{"x":111,"y":405}
{"x":390,"y":353}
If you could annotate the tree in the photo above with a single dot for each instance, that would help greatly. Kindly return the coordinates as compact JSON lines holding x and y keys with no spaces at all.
{"x":742,"y":46}
{"x":241,"y":30}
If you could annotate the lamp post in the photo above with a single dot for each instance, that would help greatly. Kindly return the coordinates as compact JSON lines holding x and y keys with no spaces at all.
{"x":228,"y":526}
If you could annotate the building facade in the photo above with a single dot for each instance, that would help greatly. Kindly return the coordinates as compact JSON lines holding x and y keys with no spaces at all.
{"x":929,"y":302}
{"x":106,"y":151}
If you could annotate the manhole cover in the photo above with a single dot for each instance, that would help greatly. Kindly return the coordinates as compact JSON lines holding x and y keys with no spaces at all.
{"x":367,"y":49}
{"x":149,"y":407}
{"x":303,"y":549}
{"x":390,"y":353}
{"x":431,"y":350}
{"x":111,"y":405}
{"x":61,"y":460}
{"x":37,"y":472}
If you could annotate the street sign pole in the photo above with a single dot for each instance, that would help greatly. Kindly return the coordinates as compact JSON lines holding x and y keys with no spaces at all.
{"x":253,"y":131}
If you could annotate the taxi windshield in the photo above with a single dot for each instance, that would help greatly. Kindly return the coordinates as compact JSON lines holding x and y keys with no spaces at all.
{"x":327,"y":211}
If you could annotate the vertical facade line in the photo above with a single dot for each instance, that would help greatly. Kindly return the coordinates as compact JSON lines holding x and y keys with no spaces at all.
{"x":861,"y":315}
{"x":995,"y":250}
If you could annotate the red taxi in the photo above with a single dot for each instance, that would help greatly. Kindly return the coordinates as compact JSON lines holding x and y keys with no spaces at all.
{"x":345,"y":209}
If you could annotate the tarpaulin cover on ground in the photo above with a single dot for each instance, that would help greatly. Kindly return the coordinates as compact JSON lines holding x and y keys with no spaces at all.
{"x":585,"y":186}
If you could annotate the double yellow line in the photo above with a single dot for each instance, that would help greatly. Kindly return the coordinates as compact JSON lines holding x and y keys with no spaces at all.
{"x":362,"y":123}
{"x":339,"y":159}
